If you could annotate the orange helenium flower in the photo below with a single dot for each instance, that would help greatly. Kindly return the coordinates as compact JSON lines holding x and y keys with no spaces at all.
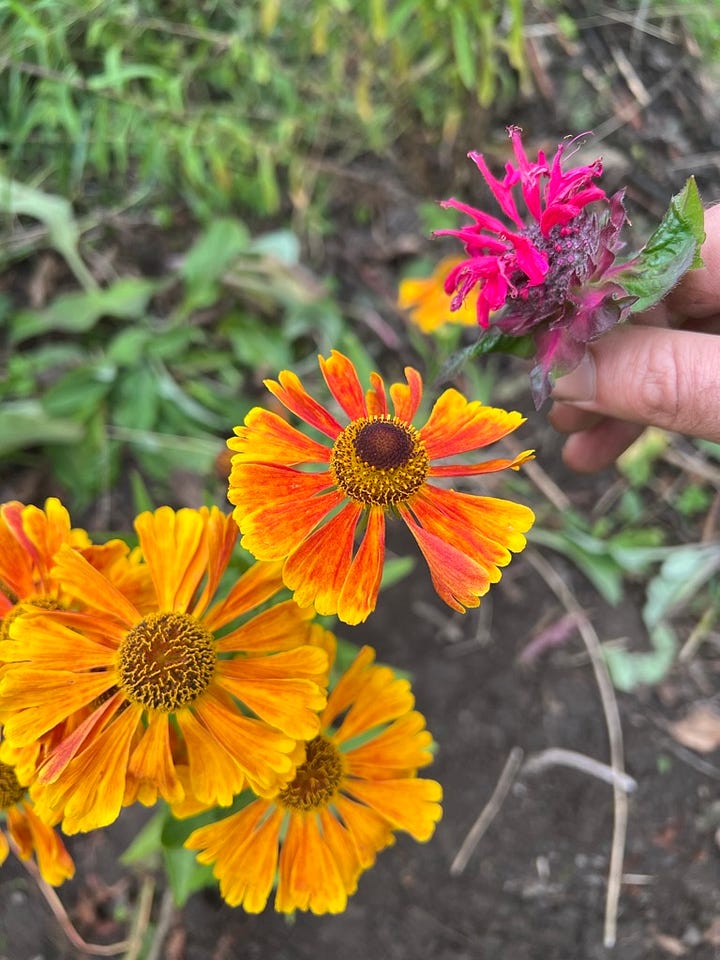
{"x":378,"y":462}
{"x":428,"y":303}
{"x":357,"y":786}
{"x":149,"y":679}
{"x":28,"y":834}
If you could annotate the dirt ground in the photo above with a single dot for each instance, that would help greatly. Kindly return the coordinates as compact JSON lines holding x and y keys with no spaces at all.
{"x":534,"y":888}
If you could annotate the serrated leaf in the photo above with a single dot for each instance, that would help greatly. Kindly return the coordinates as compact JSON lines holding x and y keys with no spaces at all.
{"x":672,"y":250}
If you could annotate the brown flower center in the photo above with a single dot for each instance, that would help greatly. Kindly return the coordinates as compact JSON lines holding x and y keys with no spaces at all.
{"x":10,"y":790}
{"x":166,"y":661}
{"x":317,"y":780}
{"x":379,"y":460}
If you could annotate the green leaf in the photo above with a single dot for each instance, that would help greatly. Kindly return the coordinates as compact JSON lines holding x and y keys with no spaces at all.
{"x":214,"y":251}
{"x":78,"y":312}
{"x":490,"y":341}
{"x":26,"y":424}
{"x":147,"y":844}
{"x":57,"y":215}
{"x":185,"y":875}
{"x":79,"y":393}
{"x":681,"y":575}
{"x":673,"y":249}
{"x":629,"y":669}
{"x":462,"y":46}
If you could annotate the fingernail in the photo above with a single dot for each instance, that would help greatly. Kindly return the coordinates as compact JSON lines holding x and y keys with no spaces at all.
{"x":579,"y":385}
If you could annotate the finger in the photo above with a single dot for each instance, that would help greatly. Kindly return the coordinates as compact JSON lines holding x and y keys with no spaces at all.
{"x":600,"y":446}
{"x":567,"y":418}
{"x":648,"y":375}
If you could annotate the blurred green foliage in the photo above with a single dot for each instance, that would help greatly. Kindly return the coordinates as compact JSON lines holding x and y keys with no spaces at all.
{"x":223,"y":103}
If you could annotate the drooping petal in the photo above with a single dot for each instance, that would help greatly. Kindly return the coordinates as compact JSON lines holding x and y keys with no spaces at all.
{"x":402,"y":746}
{"x":316,"y":569}
{"x":359,"y":593}
{"x":458,"y":579}
{"x":151,"y":762}
{"x":343,"y":382}
{"x":308,"y":877}
{"x":54,"y":862}
{"x":474,"y":469}
{"x":244,"y":851}
{"x":456,"y":425}
{"x":268,"y":438}
{"x":215,"y":777}
{"x":291,"y":393}
{"x":370,"y":832}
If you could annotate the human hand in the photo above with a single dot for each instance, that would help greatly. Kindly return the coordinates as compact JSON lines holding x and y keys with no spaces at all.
{"x":663,"y":370}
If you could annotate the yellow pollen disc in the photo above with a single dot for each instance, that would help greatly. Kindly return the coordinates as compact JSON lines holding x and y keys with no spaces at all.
{"x":10,"y":790}
{"x":317,"y":780}
{"x":379,"y":461}
{"x":44,"y":603}
{"x":166,"y":661}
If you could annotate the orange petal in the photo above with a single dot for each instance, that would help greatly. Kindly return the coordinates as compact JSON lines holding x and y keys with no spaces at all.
{"x":215,"y":777}
{"x":395,"y":752}
{"x":285,"y":689}
{"x":173,"y":544}
{"x":267,"y":438}
{"x":375,"y":397}
{"x":485,"y":528}
{"x":406,"y":397}
{"x":221,"y":534}
{"x":17,"y":557}
{"x":74,"y":742}
{"x":381,"y":698}
{"x":243,"y":849}
{"x":412,"y":805}
{"x":151,"y":761}
{"x":85,"y":583}
{"x":489,"y":466}
{"x":456,"y":425}
{"x":359,"y":593}
{"x":275,"y":530}
{"x":343,"y":382}
{"x":259,"y":582}
{"x":348,"y":686}
{"x":316,"y":569}
{"x":309,"y":877}
{"x":458,"y":579}
{"x":291,"y":393}
{"x":91,"y":789}
{"x":54,"y":862}
{"x":253,"y":486}
{"x":282,"y":627}
{"x":370,"y":832}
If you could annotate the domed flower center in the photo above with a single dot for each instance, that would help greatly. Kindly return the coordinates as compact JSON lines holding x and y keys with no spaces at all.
{"x":166,"y":661}
{"x":379,"y":460}
{"x":317,"y":780}
{"x":10,"y":790}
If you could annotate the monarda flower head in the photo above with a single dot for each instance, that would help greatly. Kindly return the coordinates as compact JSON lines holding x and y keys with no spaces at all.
{"x":550,"y":275}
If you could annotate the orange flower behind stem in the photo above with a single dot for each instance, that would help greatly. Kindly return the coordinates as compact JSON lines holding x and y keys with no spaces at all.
{"x":429,"y":305}
{"x":357,"y":786}
{"x":377,"y":465}
{"x":213,"y":686}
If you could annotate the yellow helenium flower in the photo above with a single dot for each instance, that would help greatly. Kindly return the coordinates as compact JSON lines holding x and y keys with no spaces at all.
{"x":28,"y":833}
{"x":429,"y":305}
{"x":357,"y":786}
{"x":239,"y":700}
{"x":30,"y":538}
{"x":379,"y":464}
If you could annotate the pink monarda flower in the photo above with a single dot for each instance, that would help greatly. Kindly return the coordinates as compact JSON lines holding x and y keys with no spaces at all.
{"x":550,"y":275}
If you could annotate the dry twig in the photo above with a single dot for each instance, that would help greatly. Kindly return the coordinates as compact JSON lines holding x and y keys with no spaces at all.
{"x":612,"y":720}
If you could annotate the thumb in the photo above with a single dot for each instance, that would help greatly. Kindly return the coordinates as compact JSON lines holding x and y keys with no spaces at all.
{"x":650,"y":375}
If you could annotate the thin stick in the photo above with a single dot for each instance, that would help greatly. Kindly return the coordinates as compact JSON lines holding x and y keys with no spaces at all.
{"x":142,"y":918}
{"x":612,"y":721}
{"x":166,"y":916}
{"x":60,"y":914}
{"x":488,"y":813}
{"x":558,"y":757}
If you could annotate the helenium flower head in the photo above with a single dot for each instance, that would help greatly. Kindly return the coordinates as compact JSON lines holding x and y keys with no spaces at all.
{"x":549,"y":273}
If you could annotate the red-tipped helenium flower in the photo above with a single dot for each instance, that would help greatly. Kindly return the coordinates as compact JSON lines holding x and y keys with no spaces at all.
{"x":551,"y":274}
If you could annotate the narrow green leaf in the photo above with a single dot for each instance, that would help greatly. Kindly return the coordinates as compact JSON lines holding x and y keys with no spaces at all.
{"x":462,"y":47}
{"x":26,"y":424}
{"x":673,"y":249}
{"x":185,"y":875}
